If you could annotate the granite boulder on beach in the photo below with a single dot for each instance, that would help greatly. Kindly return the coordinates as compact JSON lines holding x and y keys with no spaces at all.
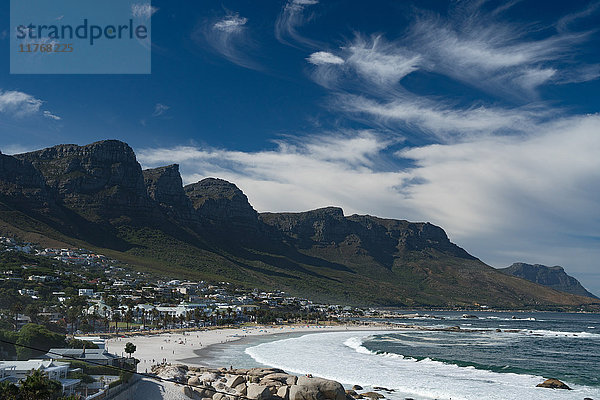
{"x":255,"y":384}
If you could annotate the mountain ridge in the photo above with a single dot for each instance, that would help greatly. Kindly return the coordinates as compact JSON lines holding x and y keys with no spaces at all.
{"x":98,"y":196}
{"x":554,"y":277}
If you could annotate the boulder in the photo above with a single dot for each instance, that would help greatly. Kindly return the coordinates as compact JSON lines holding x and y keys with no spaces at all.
{"x":553,"y":384}
{"x":373,"y":395}
{"x":234,"y":380}
{"x":194,"y":381}
{"x":331,"y":390}
{"x":241,"y":389}
{"x":283,"y":392}
{"x":173,"y":372}
{"x":298,"y":392}
{"x":291,"y":380}
{"x":209,"y":377}
{"x":278,"y":376}
{"x":352,"y":393}
{"x":269,"y":382}
{"x":357,"y":387}
{"x":208,"y":391}
{"x":257,"y":392}
{"x":188,"y":392}
{"x":262,"y":372}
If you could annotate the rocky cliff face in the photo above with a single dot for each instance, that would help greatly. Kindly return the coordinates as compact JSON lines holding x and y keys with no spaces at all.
{"x":21,"y":184}
{"x":164,"y":185}
{"x":553,"y":277}
{"x":101,"y":180}
{"x":329,"y":226}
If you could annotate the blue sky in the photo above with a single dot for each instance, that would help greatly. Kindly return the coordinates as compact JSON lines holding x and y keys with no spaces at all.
{"x":478,"y":116}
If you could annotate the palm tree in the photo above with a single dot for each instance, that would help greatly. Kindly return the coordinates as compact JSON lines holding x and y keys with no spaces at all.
{"x":116,"y":317}
{"x":155,"y":315}
{"x":38,"y":386}
{"x":128,"y":317}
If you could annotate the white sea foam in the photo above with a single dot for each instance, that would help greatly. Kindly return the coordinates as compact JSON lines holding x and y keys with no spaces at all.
{"x":549,"y":333}
{"x":343,"y":357}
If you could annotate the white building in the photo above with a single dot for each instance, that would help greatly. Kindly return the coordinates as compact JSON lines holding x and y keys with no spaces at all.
{"x":86,"y":292}
{"x":55,"y":370}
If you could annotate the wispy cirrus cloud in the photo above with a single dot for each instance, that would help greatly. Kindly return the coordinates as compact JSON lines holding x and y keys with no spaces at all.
{"x":48,"y":114}
{"x":160,"y":109}
{"x":294,"y":14}
{"x":229,"y":37}
{"x":438,"y":120}
{"x":471,"y":46}
{"x":143,"y":10}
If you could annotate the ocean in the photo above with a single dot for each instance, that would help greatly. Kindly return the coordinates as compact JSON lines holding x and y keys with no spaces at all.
{"x":493,"y":356}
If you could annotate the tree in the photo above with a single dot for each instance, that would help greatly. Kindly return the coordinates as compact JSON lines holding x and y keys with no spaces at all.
{"x":32,"y":335}
{"x":37,"y":386}
{"x":9,"y":391}
{"x":130,"y":348}
{"x":16,"y":309}
{"x":128,"y":317}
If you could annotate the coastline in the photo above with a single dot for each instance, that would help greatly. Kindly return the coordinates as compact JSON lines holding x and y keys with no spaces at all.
{"x":190,"y":347}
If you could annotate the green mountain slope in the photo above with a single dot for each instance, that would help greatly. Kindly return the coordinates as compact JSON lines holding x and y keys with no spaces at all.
{"x":98,"y":197}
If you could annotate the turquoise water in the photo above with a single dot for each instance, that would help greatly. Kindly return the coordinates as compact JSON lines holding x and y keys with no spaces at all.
{"x":493,"y":356}
{"x":565,"y":346}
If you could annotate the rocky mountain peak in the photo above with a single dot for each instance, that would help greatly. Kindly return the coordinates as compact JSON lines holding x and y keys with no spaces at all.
{"x":103,"y":176}
{"x":165,"y":186}
{"x":222,"y":202}
{"x":554,"y":277}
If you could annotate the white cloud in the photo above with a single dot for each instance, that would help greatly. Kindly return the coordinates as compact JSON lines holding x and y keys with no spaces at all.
{"x":499,"y":57}
{"x":381,"y":62}
{"x":18,"y":104}
{"x":503,"y":198}
{"x":438,"y":120}
{"x":228,"y":36}
{"x":48,"y":114}
{"x":324,"y":57}
{"x":231,"y":23}
{"x":316,"y":172}
{"x":143,"y":10}
{"x":292,"y":17}
{"x":160,"y":109}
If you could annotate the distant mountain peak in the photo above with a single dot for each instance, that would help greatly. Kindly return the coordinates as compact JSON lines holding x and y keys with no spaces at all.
{"x":554,"y":277}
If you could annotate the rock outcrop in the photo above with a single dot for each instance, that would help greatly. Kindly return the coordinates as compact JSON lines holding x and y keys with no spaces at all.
{"x":222,"y":204}
{"x":329,"y":226}
{"x":254,"y":384}
{"x":164,"y":185}
{"x":21,"y":183}
{"x":101,"y":180}
{"x":553,"y":384}
{"x":552,"y":277}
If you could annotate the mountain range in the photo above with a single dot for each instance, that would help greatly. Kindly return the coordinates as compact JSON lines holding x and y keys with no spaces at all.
{"x":98,"y":197}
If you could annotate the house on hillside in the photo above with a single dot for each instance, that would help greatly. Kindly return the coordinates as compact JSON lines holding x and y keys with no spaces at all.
{"x":96,"y":356}
{"x":15,"y":371}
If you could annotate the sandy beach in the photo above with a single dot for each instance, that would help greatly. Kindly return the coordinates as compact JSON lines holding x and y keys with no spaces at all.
{"x":182,"y":347}
{"x":185,"y":347}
